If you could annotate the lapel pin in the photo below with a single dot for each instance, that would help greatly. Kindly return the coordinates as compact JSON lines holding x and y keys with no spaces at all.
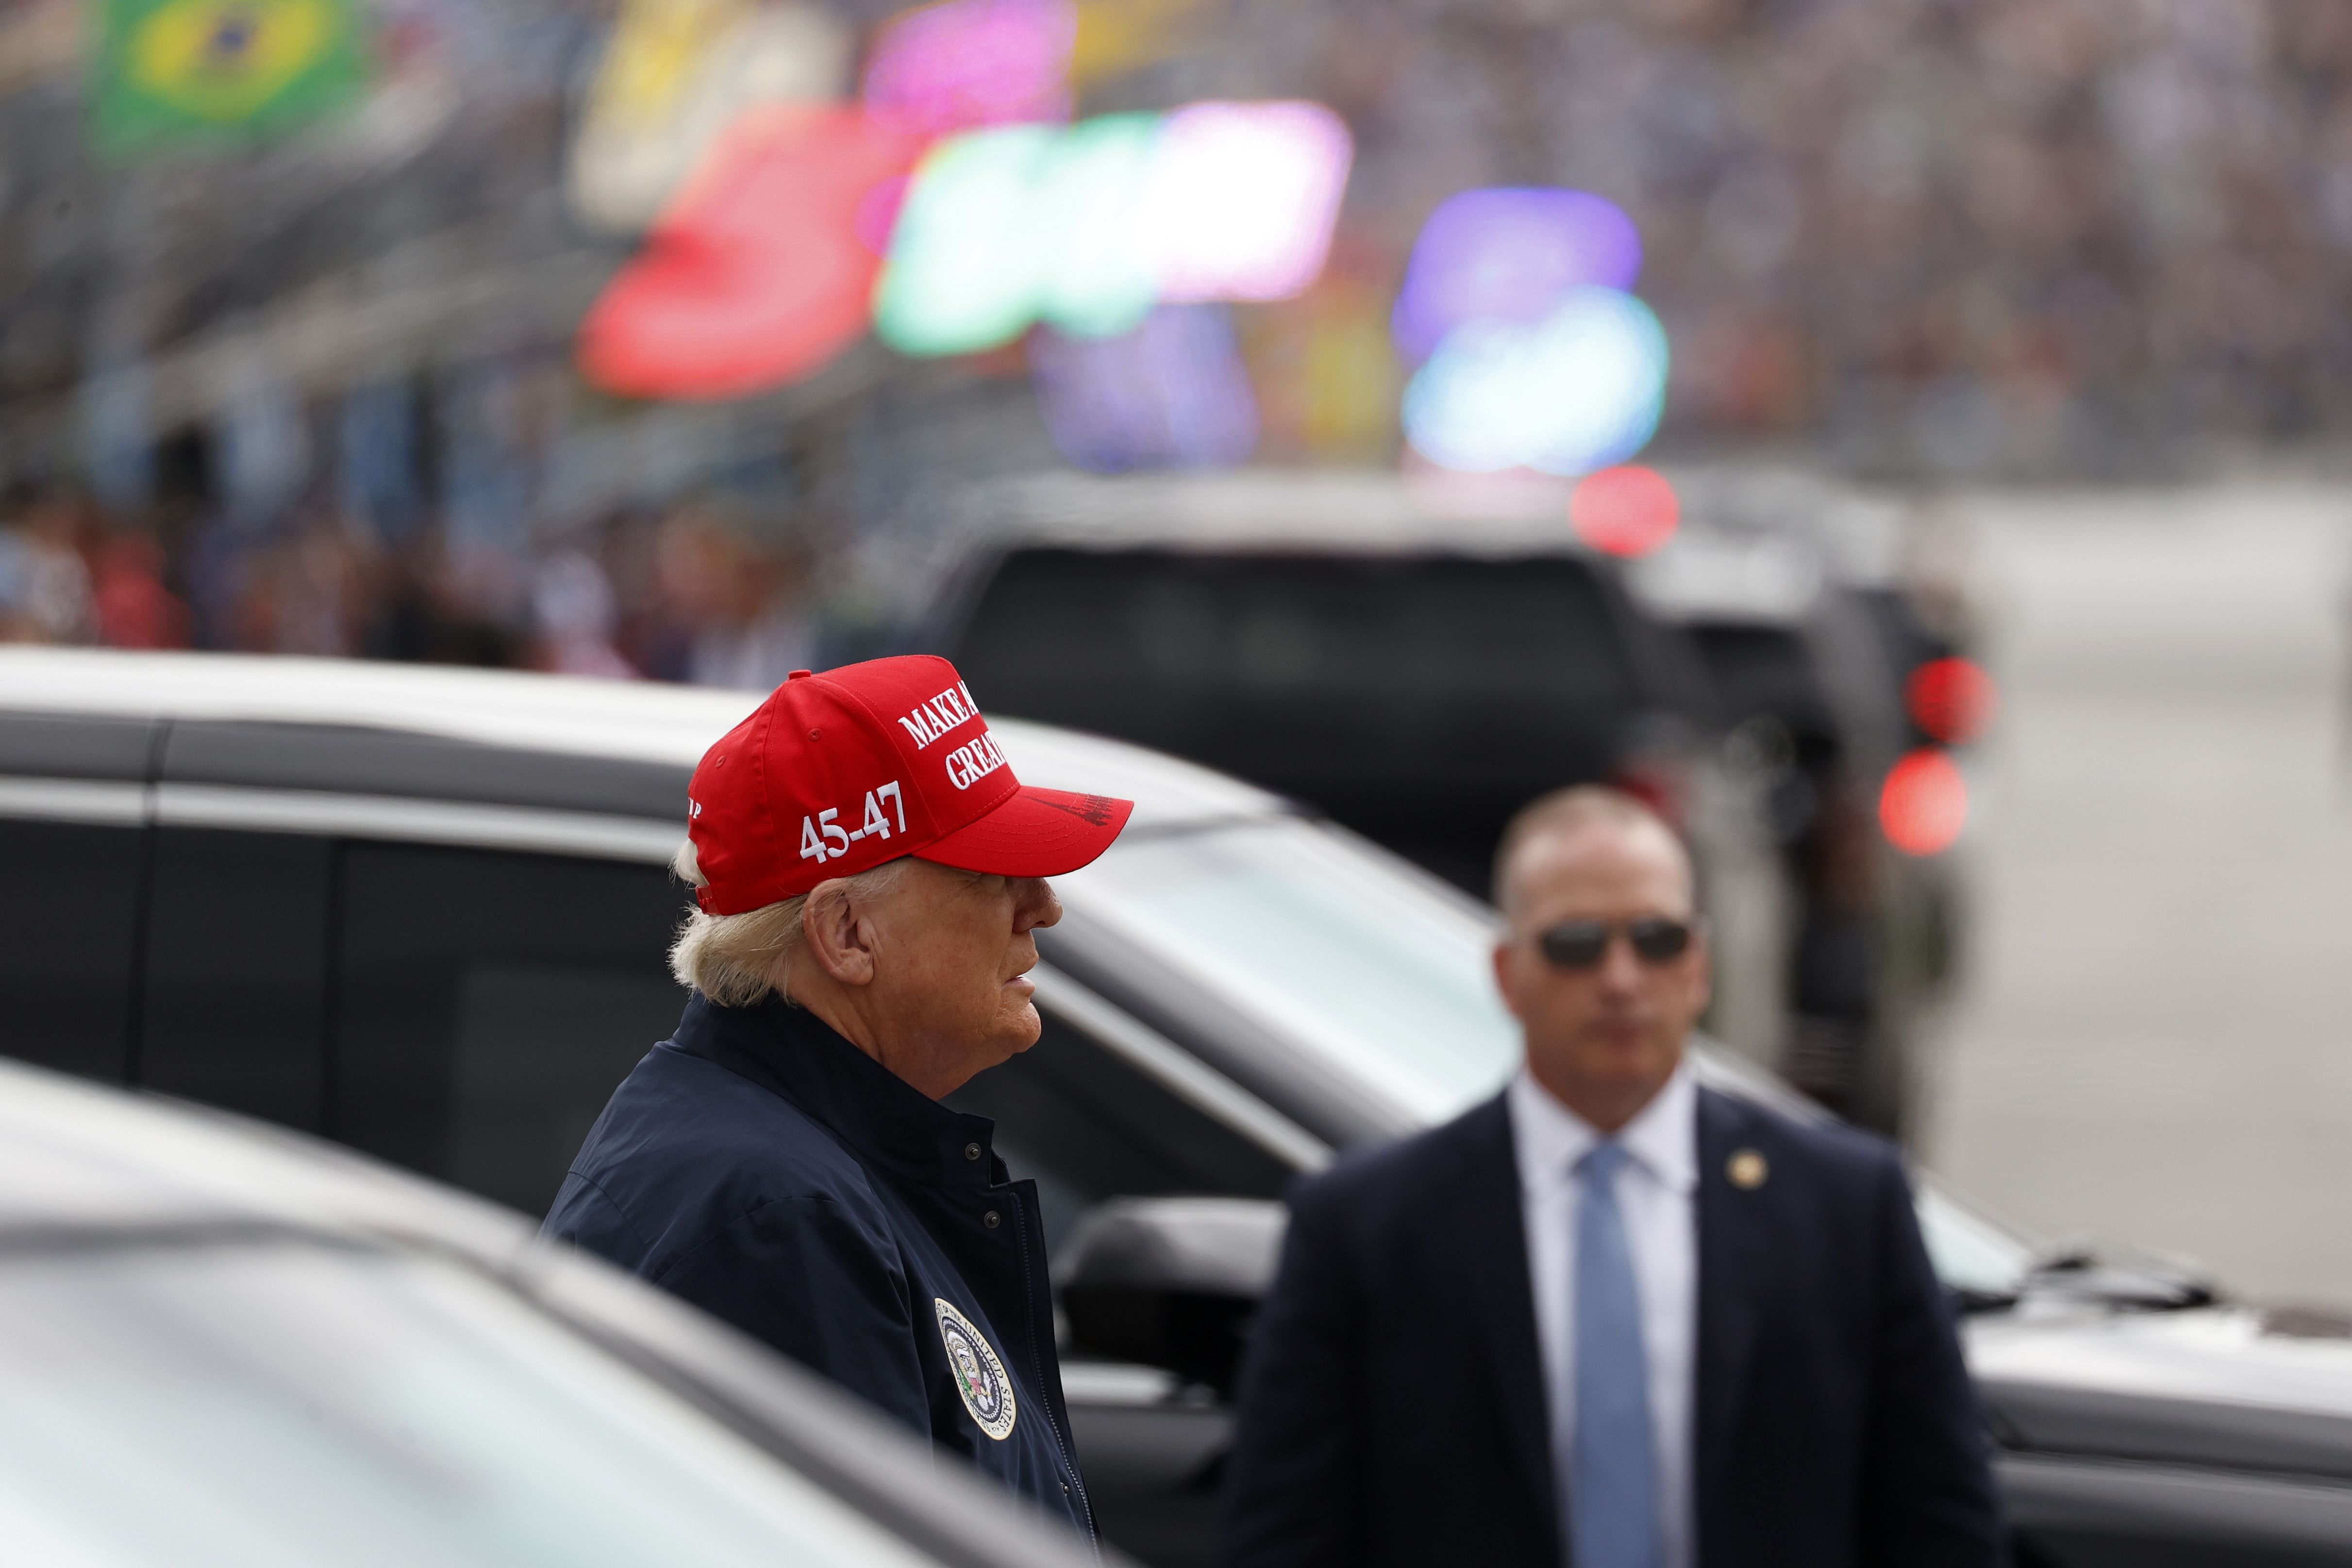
{"x":1746,"y":1170}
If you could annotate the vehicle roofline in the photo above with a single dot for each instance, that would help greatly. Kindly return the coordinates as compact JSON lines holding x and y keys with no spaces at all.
{"x":631,"y":721}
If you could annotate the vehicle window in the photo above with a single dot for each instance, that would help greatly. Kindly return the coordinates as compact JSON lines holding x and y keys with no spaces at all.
{"x":1282,"y":662}
{"x":1354,"y":957}
{"x":294,"y":1403}
{"x":1086,"y":1126}
{"x":1971,"y":1255}
{"x":68,"y":918}
{"x":1759,"y":669}
{"x":487,"y":1004}
{"x":234,"y":1008}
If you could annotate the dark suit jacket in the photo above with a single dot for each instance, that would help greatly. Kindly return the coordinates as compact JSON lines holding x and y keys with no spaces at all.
{"x":1391,"y":1403}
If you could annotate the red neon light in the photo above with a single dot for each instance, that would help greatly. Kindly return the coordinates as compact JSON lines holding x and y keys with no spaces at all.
{"x":756,"y":276}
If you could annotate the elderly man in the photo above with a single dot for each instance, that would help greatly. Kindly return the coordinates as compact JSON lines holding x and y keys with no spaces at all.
{"x":1609,"y":1317}
{"x":869,"y":875}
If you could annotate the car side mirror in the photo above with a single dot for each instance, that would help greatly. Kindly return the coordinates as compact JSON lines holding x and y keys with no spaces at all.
{"x":1169,"y":1282}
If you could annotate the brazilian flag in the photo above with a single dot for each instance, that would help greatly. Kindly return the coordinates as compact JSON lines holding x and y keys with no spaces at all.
{"x":177,"y":70}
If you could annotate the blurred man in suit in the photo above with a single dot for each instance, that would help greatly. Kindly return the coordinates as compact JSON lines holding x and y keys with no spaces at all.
{"x":1609,"y":1317}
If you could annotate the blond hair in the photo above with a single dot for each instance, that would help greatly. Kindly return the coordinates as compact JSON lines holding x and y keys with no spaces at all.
{"x":738,"y":960}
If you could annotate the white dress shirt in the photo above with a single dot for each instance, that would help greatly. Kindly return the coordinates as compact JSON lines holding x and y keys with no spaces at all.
{"x":1655,"y":1191}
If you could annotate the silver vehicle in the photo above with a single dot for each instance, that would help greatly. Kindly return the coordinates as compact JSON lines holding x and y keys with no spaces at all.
{"x":423,"y":911}
{"x":224,"y":1345}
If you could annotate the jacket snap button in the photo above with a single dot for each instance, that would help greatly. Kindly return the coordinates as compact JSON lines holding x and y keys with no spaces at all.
{"x":971,"y":1151}
{"x":992,"y":1219}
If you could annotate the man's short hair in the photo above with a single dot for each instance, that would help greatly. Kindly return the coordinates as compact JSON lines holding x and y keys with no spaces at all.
{"x":1573,"y":810}
{"x":737,"y":960}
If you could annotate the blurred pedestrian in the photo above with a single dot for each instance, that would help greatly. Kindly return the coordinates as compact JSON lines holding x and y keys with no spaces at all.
{"x":868,"y":874}
{"x":45,"y":584}
{"x":572,"y":600}
{"x":740,"y":594}
{"x":135,"y":609}
{"x":1609,"y":1315}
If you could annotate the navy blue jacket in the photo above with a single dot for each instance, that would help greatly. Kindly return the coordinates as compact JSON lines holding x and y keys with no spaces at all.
{"x":772,"y":1174}
{"x":1392,"y":1405}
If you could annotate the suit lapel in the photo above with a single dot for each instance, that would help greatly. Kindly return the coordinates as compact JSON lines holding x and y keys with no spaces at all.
{"x":1493,"y":1256}
{"x":1730,"y":1241}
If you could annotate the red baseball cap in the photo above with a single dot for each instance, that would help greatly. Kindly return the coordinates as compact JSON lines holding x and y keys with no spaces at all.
{"x":836,"y":773}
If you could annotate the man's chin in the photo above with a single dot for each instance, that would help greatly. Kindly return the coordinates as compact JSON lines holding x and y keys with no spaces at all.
{"x":1020,"y":1030}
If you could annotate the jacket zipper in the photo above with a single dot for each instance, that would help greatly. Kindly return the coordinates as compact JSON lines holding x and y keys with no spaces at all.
{"x":1037,"y":1368}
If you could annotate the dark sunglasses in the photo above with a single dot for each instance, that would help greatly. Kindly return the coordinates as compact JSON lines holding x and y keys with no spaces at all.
{"x":1580,"y":944}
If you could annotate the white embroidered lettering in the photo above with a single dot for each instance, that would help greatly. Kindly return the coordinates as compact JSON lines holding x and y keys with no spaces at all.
{"x":973,"y":761}
{"x":935,"y":716}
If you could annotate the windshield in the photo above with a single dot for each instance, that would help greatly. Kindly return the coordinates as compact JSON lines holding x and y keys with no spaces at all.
{"x":1384,"y":974}
{"x":1375,"y":969}
{"x":268,"y":1404}
{"x":1327,"y":677}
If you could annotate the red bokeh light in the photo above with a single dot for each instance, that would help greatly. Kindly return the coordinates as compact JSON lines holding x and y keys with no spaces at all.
{"x":1628,"y":511}
{"x":1950,"y":699}
{"x":1925,"y":803}
{"x":756,"y":275}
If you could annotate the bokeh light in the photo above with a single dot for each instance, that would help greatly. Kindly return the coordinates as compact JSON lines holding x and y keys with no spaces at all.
{"x":1509,"y":254}
{"x":1579,"y":391}
{"x":1087,"y":227}
{"x":1950,"y":699}
{"x":756,"y":276}
{"x":1925,"y":803}
{"x":964,"y":64}
{"x":966,"y":261}
{"x":1171,"y":394}
{"x":1094,"y":278}
{"x":1242,"y":199}
{"x":1627,"y":510}
{"x":675,"y":76}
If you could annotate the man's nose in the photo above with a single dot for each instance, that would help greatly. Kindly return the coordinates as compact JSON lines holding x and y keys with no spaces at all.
{"x":1035,"y":905}
{"x":1620,"y":966}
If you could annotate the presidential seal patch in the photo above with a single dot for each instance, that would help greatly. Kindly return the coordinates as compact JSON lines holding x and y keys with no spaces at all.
{"x":980,"y":1377}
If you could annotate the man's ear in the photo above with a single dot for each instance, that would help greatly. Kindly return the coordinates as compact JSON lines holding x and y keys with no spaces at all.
{"x":837,"y":934}
{"x":1504,"y":977}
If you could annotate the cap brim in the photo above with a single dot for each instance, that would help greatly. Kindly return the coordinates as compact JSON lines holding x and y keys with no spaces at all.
{"x":1035,"y":833}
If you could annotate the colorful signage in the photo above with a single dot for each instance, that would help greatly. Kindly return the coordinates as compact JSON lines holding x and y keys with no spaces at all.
{"x":1087,"y":227}
{"x":756,"y":277}
{"x":1533,"y":354}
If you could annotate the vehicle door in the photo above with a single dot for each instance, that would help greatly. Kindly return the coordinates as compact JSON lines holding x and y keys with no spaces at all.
{"x":442,"y":953}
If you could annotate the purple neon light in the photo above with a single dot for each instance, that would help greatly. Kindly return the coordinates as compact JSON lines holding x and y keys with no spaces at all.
{"x":1172,"y":394}
{"x":1510,"y":253}
{"x":963,"y":63}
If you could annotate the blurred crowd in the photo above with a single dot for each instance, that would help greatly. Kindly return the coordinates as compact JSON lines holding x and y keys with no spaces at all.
{"x":1950,"y":236}
{"x":702,"y":593}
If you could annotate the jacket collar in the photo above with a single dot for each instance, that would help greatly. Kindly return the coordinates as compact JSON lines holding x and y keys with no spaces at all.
{"x":1492,"y":1261}
{"x":880,"y":1117}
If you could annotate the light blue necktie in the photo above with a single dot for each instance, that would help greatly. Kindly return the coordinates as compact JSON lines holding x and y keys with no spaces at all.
{"x":1614,"y":1471}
